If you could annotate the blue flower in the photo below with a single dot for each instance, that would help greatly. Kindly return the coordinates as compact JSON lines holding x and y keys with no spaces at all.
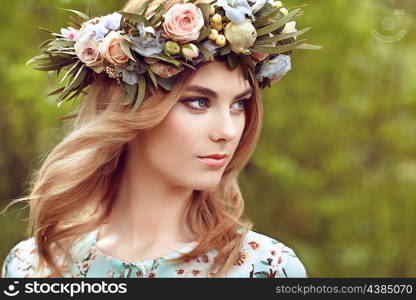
{"x":148,"y":42}
{"x":235,"y":10}
{"x":97,"y":30}
{"x":277,"y":66}
{"x":112,"y":21}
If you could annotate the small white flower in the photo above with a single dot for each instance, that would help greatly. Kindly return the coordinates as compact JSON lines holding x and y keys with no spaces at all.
{"x":290,"y":27}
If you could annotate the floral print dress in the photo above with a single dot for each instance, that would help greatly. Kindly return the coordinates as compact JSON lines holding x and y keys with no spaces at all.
{"x":260,"y":257}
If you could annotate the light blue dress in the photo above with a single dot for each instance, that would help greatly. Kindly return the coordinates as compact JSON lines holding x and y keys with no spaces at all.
{"x":260,"y":257}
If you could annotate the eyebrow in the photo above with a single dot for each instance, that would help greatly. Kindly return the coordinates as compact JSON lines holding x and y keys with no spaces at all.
{"x":213,"y":94}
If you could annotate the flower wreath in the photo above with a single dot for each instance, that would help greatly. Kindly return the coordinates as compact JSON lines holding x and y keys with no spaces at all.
{"x":142,"y":53}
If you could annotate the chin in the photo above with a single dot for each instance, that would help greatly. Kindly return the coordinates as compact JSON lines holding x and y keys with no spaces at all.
{"x":206,"y":186}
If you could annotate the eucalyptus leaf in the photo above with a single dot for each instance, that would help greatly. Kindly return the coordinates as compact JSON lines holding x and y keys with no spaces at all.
{"x":126,"y":48}
{"x":78,"y":13}
{"x":55,"y":92}
{"x":277,"y":49}
{"x":77,"y":78}
{"x":51,"y":67}
{"x":151,"y":75}
{"x":307,"y":46}
{"x":45,"y":29}
{"x":205,"y":52}
{"x":140,"y":93}
{"x":164,"y":57}
{"x":165,"y":83}
{"x":134,"y":17}
{"x":142,"y":9}
{"x":225,"y":50}
{"x":45,"y":43}
{"x":157,"y":14}
{"x":72,"y":70}
{"x":281,"y":22}
{"x":281,"y":37}
{"x":266,"y":19}
{"x":205,"y":31}
{"x":232,"y":61}
{"x":205,"y":8}
{"x":129,"y":93}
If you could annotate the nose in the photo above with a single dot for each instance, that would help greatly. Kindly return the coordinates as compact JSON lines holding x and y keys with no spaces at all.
{"x":224,"y":127}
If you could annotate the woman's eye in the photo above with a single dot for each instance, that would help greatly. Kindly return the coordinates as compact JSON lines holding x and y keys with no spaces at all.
{"x":196,"y":102}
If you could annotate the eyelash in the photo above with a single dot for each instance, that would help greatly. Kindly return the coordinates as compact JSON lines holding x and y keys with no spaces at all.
{"x":194,"y":99}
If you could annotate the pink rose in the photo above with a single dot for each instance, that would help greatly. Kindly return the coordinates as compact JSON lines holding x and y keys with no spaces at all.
{"x":86,"y":48}
{"x":163,"y":70}
{"x":183,"y":22}
{"x":111,"y":49}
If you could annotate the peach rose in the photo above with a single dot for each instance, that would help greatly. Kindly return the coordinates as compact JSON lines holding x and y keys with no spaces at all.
{"x":183,"y":22}
{"x":111,"y":49}
{"x":163,"y":70}
{"x":87,"y":50}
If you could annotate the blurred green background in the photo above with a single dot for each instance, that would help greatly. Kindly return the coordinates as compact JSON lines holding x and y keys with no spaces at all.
{"x":334,"y":173}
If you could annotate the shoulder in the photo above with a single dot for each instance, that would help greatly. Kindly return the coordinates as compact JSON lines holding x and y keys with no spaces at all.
{"x":269,"y":252}
{"x":21,"y":260}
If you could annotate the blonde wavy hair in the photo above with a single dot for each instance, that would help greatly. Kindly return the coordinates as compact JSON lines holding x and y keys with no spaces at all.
{"x":72,"y":192}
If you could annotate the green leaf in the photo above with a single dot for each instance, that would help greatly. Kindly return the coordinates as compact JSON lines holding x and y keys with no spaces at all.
{"x":126,"y":48}
{"x":205,"y":52}
{"x":142,"y":9}
{"x":46,"y":30}
{"x":281,"y":22}
{"x":78,"y":13}
{"x":281,"y":37}
{"x":157,"y":14}
{"x":266,"y":19}
{"x":135,"y":18}
{"x":205,"y":8}
{"x":38,"y":57}
{"x":77,"y":78}
{"x":129,"y":93}
{"x":151,"y":75}
{"x":165,"y":58}
{"x":188,"y":65}
{"x":140,"y":93}
{"x":205,"y":31}
{"x":58,"y":43}
{"x":55,"y":92}
{"x":264,"y":11}
{"x":277,"y":49}
{"x":52,"y":66}
{"x":232,"y":61}
{"x":45,"y":43}
{"x":72,"y":70}
{"x":165,"y":83}
{"x":307,"y":46}
{"x":225,"y":50}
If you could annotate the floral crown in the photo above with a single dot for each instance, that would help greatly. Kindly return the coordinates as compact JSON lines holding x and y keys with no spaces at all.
{"x":142,"y":52}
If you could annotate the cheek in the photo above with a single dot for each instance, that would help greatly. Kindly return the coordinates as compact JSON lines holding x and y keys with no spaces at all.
{"x":173,"y":144}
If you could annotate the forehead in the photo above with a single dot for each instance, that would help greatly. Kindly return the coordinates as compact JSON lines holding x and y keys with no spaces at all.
{"x":218,"y":76}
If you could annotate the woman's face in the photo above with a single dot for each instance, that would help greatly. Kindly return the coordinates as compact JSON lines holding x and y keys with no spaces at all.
{"x":208,"y":119}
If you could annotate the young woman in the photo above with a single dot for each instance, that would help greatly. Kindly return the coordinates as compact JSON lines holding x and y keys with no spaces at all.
{"x":153,"y":193}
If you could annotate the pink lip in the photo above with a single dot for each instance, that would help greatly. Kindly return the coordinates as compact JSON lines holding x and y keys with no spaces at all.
{"x":213,"y":162}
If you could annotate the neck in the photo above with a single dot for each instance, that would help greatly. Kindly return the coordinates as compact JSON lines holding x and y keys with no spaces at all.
{"x":147,"y":210}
